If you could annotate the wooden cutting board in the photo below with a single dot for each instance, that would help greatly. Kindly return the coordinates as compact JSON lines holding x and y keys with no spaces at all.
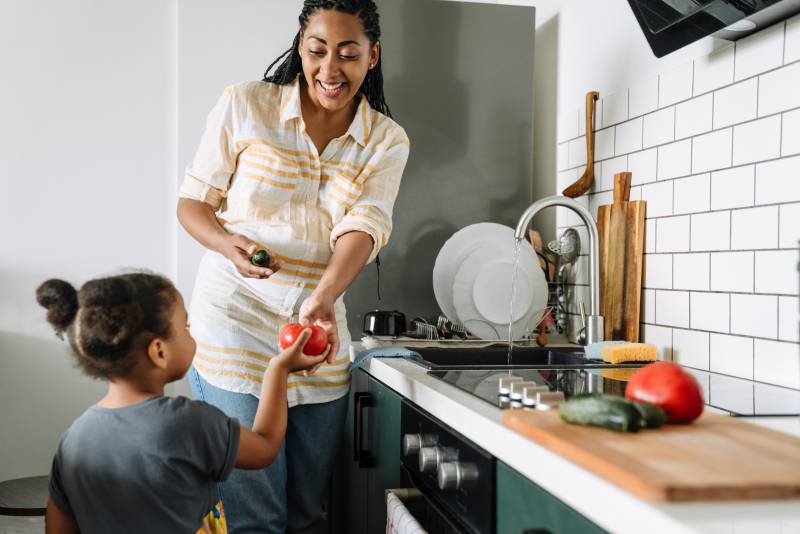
{"x":622,"y":228}
{"x":713,"y":459}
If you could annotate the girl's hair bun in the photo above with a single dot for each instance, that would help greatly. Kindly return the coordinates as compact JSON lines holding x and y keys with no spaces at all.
{"x":61,"y":301}
{"x":111,"y":315}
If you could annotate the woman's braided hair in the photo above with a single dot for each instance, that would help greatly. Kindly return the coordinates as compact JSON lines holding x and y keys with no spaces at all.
{"x":109,"y":319}
{"x":291,"y":66}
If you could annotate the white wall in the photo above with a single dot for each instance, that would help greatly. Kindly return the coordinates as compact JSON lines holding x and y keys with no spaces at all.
{"x":103,"y":105}
{"x":712,"y":141}
{"x":86,"y":166}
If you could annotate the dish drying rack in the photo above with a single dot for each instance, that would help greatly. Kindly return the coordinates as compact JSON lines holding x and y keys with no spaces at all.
{"x":447,"y":331}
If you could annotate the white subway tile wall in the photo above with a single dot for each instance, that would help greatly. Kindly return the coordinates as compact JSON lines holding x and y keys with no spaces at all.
{"x":713,"y":71}
{"x":788,"y":318}
{"x":691,"y":271}
{"x":733,"y":188}
{"x":714,"y":148}
{"x":735,"y":104}
{"x":615,"y":108}
{"x":791,"y":51}
{"x":790,"y":133}
{"x":642,"y":165}
{"x":712,"y":151}
{"x":759,"y":52}
{"x":757,"y":141}
{"x":732,"y":355}
{"x":690,"y":347}
{"x":643,"y":97}
{"x":732,"y":272}
{"x":672,"y":234}
{"x":628,"y":137}
{"x":694,"y":116}
{"x":693,"y":194}
{"x":675,"y":159}
{"x":659,"y":127}
{"x":789,"y":226}
{"x":754,"y":228}
{"x":675,"y":85}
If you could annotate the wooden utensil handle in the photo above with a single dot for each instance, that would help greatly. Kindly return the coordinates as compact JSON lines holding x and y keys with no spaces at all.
{"x":622,"y":187}
{"x":591,"y":97}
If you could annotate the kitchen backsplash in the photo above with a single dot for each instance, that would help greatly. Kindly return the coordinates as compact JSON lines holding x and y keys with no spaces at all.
{"x":714,"y":148}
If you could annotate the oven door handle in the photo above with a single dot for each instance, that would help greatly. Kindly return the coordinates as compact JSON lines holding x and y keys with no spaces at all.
{"x":361,"y":400}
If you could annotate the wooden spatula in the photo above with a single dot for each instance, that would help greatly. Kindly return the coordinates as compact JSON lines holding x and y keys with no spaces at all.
{"x":585,"y":181}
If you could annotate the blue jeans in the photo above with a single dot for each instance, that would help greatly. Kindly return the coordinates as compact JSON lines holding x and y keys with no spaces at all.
{"x":288,"y":495}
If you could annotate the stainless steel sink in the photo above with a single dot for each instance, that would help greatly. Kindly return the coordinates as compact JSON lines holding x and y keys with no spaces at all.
{"x":496,"y":357}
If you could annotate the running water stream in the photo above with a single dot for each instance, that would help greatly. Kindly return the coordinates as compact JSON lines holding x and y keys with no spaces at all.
{"x":517,"y":248}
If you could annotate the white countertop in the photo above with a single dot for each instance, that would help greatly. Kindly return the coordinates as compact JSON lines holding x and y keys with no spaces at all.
{"x":609,"y":506}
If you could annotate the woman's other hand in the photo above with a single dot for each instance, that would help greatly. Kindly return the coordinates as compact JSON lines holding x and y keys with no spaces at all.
{"x":238,"y":249}
{"x":318,"y":309}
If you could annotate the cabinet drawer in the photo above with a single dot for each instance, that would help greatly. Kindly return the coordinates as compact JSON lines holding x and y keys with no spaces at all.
{"x":523,"y":506}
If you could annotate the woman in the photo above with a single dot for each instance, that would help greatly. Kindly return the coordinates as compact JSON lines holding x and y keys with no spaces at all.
{"x":305,"y":164}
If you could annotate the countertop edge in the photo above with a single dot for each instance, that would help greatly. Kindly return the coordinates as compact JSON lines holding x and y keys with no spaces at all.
{"x":604,"y":503}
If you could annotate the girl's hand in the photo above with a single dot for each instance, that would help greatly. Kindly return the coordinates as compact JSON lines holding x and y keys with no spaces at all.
{"x":293,"y":359}
{"x":318,"y":309}
{"x":238,"y":250}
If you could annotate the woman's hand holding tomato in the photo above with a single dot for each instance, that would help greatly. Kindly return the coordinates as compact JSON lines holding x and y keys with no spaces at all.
{"x":317,"y":310}
{"x":317,"y":341}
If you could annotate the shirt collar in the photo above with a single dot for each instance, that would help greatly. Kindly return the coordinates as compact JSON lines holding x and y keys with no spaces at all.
{"x":359,"y":129}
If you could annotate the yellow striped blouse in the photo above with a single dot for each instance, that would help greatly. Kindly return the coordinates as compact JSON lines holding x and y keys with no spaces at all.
{"x":262,"y":173}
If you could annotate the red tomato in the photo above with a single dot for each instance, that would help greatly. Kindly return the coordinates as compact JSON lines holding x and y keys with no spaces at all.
{"x":315,"y":345}
{"x":668,"y":386}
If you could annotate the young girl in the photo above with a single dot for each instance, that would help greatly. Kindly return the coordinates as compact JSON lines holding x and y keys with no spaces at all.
{"x":138,"y":461}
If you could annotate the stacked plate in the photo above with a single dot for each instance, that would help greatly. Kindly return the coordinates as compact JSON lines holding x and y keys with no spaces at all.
{"x":472,"y":280}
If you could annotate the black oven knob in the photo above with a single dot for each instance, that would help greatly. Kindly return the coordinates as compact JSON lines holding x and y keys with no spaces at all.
{"x":412,"y":443}
{"x":456,"y":475}
{"x":431,"y":457}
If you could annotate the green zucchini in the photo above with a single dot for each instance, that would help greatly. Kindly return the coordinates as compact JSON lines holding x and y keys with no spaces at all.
{"x":260,"y":258}
{"x":652,"y":415}
{"x":606,"y":411}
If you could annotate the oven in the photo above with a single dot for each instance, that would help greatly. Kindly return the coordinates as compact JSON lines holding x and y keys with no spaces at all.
{"x":452,"y":478}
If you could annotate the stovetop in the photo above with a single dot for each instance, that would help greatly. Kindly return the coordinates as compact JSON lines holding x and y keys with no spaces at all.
{"x":737,"y":396}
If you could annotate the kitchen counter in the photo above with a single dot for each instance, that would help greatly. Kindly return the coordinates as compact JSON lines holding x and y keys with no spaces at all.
{"x":604,"y":503}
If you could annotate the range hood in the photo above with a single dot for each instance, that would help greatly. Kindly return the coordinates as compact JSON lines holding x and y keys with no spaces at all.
{"x":672,"y":24}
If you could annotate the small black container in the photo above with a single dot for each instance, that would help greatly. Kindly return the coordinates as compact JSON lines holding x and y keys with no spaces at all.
{"x":384,"y":323}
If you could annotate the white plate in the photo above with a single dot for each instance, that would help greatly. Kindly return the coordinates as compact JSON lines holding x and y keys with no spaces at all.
{"x":482,"y":290}
{"x":453,"y":253}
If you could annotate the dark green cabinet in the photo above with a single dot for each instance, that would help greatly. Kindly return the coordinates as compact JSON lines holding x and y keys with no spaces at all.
{"x":369,"y":461}
{"x":523,"y":506}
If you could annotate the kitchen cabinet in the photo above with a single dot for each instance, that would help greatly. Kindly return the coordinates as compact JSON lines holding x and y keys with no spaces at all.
{"x":369,"y":460}
{"x":524,"y":507}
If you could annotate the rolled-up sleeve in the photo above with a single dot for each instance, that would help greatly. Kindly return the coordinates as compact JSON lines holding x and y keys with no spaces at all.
{"x":208,"y":177}
{"x":372,"y":212}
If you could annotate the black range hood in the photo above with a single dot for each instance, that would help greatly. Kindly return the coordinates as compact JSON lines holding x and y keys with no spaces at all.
{"x":672,"y":24}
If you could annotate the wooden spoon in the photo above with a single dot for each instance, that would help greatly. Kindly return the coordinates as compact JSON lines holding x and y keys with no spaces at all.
{"x":585,"y":181}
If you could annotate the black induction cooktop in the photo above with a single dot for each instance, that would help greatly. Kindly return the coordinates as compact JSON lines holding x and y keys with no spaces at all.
{"x":737,"y":396}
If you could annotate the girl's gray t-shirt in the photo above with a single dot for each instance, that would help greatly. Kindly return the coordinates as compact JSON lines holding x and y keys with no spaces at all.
{"x":150,"y":467}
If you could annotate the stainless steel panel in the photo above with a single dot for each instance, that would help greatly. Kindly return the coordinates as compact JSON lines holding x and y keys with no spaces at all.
{"x":459,"y":78}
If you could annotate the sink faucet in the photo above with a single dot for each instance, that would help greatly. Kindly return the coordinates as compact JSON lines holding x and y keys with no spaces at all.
{"x":593,"y":324}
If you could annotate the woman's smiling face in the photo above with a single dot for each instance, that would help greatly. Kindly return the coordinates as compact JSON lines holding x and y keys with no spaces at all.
{"x":336,"y":57}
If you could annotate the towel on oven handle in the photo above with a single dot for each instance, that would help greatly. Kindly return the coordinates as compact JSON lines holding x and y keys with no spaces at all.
{"x":398,"y":519}
{"x":386,"y":352}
